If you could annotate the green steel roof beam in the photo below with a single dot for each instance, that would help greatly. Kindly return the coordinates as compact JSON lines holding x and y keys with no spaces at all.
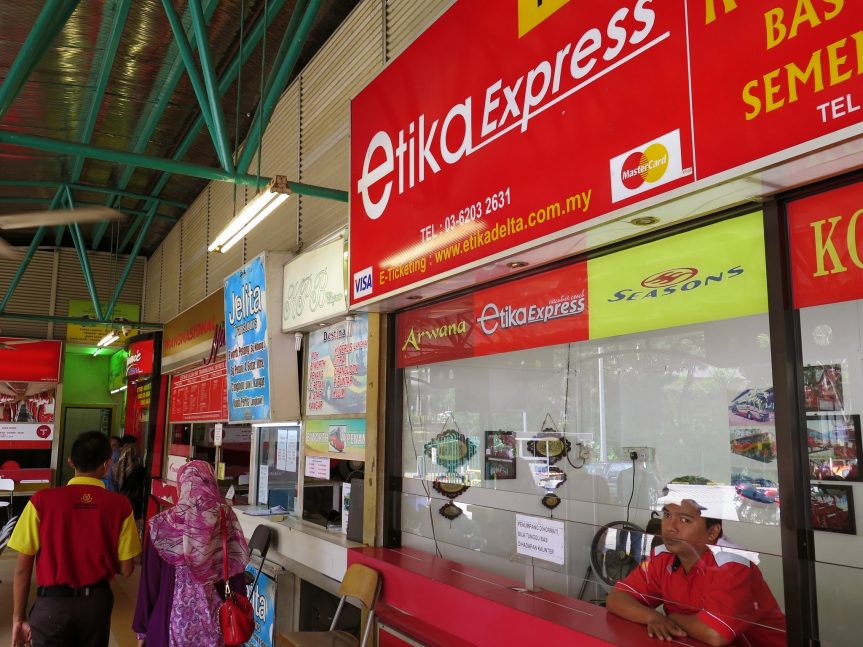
{"x":145,"y":227}
{"x":59,"y":230}
{"x":197,"y":84}
{"x":209,"y":71}
{"x":122,"y":157}
{"x":165,"y":92}
{"x":130,"y":231}
{"x":277,"y":83}
{"x":78,"y":241}
{"x":76,"y":320}
{"x":22,"y":267}
{"x":94,"y":189}
{"x":102,"y":76}
{"x":225,"y":82}
{"x":50,"y":22}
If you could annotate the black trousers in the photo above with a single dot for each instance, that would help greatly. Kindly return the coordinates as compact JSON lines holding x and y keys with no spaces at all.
{"x":73,"y":622}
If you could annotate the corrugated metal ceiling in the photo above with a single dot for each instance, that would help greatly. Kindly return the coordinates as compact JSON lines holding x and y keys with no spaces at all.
{"x":143,"y":109}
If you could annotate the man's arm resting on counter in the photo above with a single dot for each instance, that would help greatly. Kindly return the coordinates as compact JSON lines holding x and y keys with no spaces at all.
{"x":658,"y":626}
{"x":694,"y":628}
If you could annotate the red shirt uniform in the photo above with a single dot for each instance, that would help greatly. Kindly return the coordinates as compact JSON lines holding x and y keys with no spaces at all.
{"x":725,"y":590}
{"x":78,"y":533}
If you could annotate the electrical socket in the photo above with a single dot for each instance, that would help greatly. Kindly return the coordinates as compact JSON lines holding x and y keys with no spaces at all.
{"x":645,"y":454}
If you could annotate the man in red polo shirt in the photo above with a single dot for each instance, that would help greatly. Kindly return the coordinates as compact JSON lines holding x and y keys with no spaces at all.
{"x":710,"y":593}
{"x":79,"y":536}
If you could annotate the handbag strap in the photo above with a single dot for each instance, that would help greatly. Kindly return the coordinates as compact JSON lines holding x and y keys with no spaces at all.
{"x":225,"y":549}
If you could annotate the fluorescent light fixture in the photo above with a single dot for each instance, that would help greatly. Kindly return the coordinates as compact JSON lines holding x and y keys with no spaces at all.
{"x":261,"y":206}
{"x":122,"y":388}
{"x":108,"y":339}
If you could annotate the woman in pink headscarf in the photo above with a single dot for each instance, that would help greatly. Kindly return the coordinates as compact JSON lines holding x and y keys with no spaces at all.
{"x":182,"y":570}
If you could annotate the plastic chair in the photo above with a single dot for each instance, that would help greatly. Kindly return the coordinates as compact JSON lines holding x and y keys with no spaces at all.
{"x":360,"y":583}
{"x":260,"y":544}
{"x":7,"y":487}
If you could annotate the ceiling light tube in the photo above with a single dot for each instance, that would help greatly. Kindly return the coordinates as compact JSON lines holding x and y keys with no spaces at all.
{"x":108,"y":339}
{"x":254,"y":212}
{"x":237,"y":237}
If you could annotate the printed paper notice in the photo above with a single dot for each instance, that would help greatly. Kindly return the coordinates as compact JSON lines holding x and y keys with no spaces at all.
{"x":282,"y":450}
{"x":318,"y":467}
{"x":539,"y":537}
{"x":293,"y":448}
{"x":263,"y":484}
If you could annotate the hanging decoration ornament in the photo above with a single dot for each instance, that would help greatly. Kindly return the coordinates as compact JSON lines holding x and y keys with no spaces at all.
{"x":550,"y":481}
{"x":451,"y":450}
{"x":549,"y":443}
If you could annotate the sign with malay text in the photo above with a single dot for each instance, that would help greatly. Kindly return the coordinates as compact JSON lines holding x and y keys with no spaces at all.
{"x":314,"y":286}
{"x":338,"y":367}
{"x":263,"y":599}
{"x":826,"y":232}
{"x":336,"y":438}
{"x":540,"y":537}
{"x":200,"y":394}
{"x":549,"y":126}
{"x":86,"y":334}
{"x":197,"y":335}
{"x":246,"y":343}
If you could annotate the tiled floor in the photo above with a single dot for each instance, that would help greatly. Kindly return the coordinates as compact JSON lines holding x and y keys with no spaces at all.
{"x":125,"y":593}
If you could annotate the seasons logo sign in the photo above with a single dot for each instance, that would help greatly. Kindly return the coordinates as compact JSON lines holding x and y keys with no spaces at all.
{"x":674,"y":281}
{"x":650,"y":165}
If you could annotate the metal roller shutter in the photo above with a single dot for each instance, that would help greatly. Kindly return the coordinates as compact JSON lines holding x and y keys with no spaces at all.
{"x":193,"y":253}
{"x":407,"y":19}
{"x":152,"y":297}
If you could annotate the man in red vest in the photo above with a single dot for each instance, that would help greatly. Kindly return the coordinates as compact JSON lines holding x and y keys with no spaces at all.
{"x":78,"y":536}
{"x":708,"y":590}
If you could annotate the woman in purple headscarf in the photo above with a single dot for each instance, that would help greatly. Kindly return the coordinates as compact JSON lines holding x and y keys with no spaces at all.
{"x":182,"y":570}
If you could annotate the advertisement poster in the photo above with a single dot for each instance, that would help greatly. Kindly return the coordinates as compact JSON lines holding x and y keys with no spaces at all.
{"x":263,"y":599}
{"x":338,"y":368}
{"x":29,"y":360}
{"x":26,"y":415}
{"x":246,"y":343}
{"x":833,"y":508}
{"x":139,"y":362}
{"x":314,"y":286}
{"x":86,"y":334}
{"x":345,"y":438}
{"x":834,"y":447}
{"x":822,"y":388}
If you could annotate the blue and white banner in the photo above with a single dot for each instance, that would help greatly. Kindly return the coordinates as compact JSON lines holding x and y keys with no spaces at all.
{"x":263,"y":601}
{"x":246,"y":343}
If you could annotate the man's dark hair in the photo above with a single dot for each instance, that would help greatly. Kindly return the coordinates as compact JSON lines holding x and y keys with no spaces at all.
{"x":90,"y":450}
{"x":712,"y":521}
{"x":128,"y":439}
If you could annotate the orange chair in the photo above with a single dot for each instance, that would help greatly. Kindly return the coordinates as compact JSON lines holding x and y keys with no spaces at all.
{"x":360,"y":583}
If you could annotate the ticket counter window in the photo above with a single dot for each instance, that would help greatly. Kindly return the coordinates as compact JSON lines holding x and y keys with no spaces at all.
{"x":197,"y":441}
{"x":278,"y":467}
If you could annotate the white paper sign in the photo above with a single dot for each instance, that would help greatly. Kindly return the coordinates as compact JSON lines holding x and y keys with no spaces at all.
{"x":217,"y":434}
{"x":263,"y":484}
{"x":540,"y":537}
{"x":293,"y":445}
{"x":318,"y":467}
{"x":282,"y":450}
{"x":346,"y":506}
{"x":174,"y":465}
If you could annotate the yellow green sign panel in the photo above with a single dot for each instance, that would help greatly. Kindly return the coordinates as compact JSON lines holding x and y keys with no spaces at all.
{"x":710,"y":273}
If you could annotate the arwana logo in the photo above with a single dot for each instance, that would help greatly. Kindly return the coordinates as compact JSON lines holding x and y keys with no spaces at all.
{"x":363,"y":283}
{"x":669,"y":277}
{"x":645,"y":167}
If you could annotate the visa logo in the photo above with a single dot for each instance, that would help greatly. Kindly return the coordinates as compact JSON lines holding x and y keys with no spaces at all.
{"x":363,"y":283}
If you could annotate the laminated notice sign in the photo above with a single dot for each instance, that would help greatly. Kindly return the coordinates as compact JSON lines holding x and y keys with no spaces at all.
{"x":540,"y":537}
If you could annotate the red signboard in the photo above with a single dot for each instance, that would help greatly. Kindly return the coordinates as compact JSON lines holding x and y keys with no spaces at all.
{"x":29,"y":360}
{"x":476,"y":140}
{"x":506,"y":122}
{"x":200,"y":395}
{"x":826,"y":233}
{"x":139,"y":364}
{"x":541,"y":310}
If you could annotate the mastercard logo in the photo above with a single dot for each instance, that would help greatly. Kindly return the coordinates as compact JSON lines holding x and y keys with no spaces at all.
{"x":669,"y":277}
{"x":647,"y":166}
